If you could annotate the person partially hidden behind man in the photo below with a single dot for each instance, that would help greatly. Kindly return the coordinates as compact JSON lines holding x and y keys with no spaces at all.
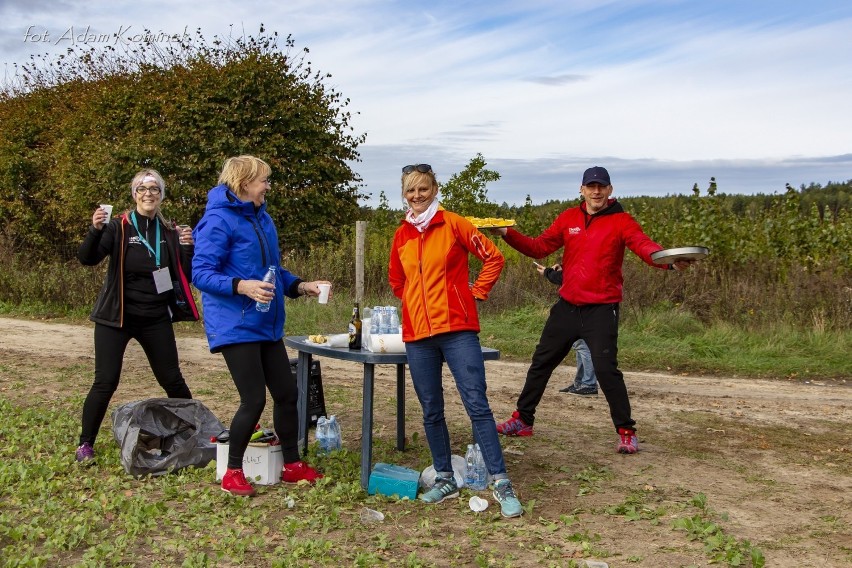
{"x":585,"y":382}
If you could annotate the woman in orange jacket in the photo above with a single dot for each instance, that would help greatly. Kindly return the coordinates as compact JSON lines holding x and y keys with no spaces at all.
{"x":429,"y":273}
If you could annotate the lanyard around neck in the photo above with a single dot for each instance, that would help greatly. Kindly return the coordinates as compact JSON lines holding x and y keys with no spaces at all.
{"x":144,"y":241}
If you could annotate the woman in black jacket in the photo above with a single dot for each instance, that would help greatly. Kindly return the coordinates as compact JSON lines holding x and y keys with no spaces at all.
{"x":146,"y":289}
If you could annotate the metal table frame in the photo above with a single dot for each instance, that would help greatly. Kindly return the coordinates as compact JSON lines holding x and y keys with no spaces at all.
{"x":369,"y":359}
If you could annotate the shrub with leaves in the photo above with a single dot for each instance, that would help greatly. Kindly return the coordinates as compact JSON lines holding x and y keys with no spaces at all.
{"x":76,"y":128}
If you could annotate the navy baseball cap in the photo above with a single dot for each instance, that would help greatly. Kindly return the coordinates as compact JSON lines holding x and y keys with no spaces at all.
{"x":596,"y":174}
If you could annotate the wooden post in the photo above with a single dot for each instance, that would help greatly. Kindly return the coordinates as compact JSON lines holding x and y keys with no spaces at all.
{"x":360,"y":237}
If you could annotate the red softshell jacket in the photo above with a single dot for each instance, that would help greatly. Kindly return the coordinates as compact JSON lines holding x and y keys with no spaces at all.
{"x":593,"y":251}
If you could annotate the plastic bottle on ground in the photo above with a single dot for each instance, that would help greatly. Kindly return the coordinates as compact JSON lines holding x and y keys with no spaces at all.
{"x":334,"y":442}
{"x":323,"y":434}
{"x":481,"y":475}
{"x":470,"y":466}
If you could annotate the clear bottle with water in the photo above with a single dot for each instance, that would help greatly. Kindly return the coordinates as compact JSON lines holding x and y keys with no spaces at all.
{"x":470,"y":479}
{"x":385,"y":325}
{"x":374,"y":320}
{"x":380,"y":319}
{"x":334,"y":442}
{"x":268,"y":277}
{"x":328,"y":434}
{"x":481,"y":481}
{"x":394,"y":321}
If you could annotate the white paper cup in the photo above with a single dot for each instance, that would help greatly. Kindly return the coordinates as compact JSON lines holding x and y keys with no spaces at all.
{"x":108,"y":209}
{"x":324,"y":291}
{"x":477,"y":504}
{"x":338,"y":340}
{"x":180,"y":229}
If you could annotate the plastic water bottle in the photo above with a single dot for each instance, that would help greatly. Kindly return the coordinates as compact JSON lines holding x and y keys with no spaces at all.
{"x":268,"y":277}
{"x":323,"y":434}
{"x":481,"y":481}
{"x":394,"y":321}
{"x":470,"y":467}
{"x":328,"y":434}
{"x":374,"y":320}
{"x":386,"y":320}
{"x":333,"y":433}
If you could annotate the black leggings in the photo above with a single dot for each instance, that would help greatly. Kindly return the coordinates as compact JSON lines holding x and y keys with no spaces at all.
{"x":157,"y":338}
{"x":256,"y":367}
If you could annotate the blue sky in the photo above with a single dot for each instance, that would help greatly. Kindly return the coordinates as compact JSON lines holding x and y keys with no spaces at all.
{"x":665,"y":94}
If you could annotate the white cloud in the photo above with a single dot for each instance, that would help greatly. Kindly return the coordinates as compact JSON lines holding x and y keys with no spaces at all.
{"x":544,"y":89}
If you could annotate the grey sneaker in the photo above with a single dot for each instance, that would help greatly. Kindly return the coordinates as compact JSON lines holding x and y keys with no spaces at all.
{"x":582,"y":391}
{"x":505,"y":495}
{"x":444,"y":488}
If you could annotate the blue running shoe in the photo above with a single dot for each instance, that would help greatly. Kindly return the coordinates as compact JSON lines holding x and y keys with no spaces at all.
{"x":444,"y":488}
{"x":505,"y":495}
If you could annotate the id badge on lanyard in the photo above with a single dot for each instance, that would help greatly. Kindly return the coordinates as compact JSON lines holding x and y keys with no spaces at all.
{"x":163,"y":280}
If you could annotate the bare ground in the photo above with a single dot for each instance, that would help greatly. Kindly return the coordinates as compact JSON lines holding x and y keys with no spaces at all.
{"x":773,"y":458}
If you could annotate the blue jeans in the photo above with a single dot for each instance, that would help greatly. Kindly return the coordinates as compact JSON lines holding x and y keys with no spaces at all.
{"x":585,"y":371}
{"x":463,"y":354}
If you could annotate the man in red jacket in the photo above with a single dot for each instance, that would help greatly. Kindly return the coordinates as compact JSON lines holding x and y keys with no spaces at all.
{"x":593,"y":237}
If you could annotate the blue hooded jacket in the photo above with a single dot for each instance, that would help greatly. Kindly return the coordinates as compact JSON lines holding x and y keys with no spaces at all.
{"x":236,"y":241}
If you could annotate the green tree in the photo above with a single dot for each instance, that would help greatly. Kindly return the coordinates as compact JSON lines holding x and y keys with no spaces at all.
{"x":466,"y":194}
{"x":76,"y":129}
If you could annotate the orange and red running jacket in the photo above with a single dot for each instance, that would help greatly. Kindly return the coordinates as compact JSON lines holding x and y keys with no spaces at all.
{"x":429,"y":272}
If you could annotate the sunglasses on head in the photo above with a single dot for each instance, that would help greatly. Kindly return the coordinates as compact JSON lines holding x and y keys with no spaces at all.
{"x":422,"y":168}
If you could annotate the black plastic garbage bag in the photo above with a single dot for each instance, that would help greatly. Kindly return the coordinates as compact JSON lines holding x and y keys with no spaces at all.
{"x":160,"y":435}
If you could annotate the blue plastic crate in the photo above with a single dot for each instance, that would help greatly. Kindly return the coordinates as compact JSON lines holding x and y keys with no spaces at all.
{"x":388,"y":479}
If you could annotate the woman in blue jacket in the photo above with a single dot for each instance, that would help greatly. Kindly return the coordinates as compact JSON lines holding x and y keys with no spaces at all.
{"x":235,"y":244}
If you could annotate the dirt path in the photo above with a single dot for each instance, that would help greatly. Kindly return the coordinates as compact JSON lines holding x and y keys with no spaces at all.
{"x":774,"y":457}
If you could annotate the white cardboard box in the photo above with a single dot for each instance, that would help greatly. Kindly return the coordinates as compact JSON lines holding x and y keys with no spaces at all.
{"x":261,"y":464}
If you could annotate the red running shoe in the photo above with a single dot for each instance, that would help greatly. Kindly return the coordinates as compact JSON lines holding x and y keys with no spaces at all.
{"x":628,"y":443}
{"x":514,"y":426}
{"x":298,"y":471}
{"x":234,"y":482}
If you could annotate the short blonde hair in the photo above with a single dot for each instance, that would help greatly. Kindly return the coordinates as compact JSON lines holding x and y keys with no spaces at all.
{"x":415,"y":177}
{"x":242,"y":169}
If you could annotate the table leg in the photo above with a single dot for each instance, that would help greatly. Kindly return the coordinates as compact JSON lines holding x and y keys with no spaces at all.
{"x":400,"y":407}
{"x":303,"y":370}
{"x":367,"y":426}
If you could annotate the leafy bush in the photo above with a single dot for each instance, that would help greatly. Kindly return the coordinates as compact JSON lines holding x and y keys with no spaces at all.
{"x":76,"y":129}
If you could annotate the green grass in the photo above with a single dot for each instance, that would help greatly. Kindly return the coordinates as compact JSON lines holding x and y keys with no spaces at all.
{"x":55,"y":513}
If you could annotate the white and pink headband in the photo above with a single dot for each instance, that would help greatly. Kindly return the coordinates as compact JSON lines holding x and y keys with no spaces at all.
{"x":146,"y":179}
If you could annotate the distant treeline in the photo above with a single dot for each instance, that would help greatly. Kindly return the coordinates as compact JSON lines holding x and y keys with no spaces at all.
{"x":811,"y":226}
